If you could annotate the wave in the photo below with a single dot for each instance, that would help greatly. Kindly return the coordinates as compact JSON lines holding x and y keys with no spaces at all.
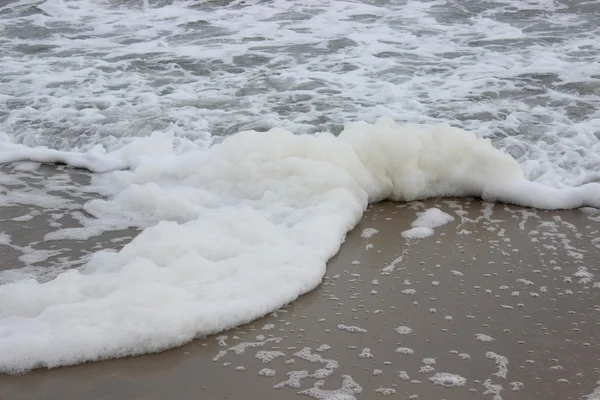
{"x":236,"y":230}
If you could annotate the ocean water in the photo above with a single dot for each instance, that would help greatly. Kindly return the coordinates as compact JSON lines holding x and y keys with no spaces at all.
{"x":76,"y":74}
{"x":246,"y":138}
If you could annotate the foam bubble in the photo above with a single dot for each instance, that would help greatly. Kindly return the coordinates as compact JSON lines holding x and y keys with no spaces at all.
{"x":501,"y":363}
{"x":236,"y":231}
{"x":385,"y":391}
{"x":405,"y":350}
{"x":351,"y":328}
{"x":368,"y":232}
{"x":4,"y":239}
{"x":267,"y":356}
{"x":267,"y":372}
{"x":366,"y":353}
{"x":482,"y":337}
{"x":346,"y":392}
{"x":432,"y":218}
{"x":448,"y":380}
{"x":423,"y":226}
{"x":403,"y":330}
{"x":294,"y":379}
{"x":420,"y":232}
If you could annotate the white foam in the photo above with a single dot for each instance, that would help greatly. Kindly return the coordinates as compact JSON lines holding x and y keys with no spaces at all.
{"x":482,"y":337}
{"x":584,"y":274}
{"x":432,"y":218}
{"x":366,"y":353}
{"x":403,"y":330}
{"x":323,"y":347}
{"x":222,"y":340}
{"x":240,"y":348}
{"x":429,"y":361}
{"x":266,"y":356}
{"x":492,"y":389}
{"x":368,"y":233}
{"x":516,"y":386}
{"x":501,"y":364}
{"x":423,"y":226}
{"x":295,"y":377}
{"x":267,"y":372}
{"x":346,"y":392}
{"x":385,"y":391}
{"x":426,"y":369}
{"x":420,"y":232}
{"x":236,"y":231}
{"x":95,"y":159}
{"x":4,"y":239}
{"x":390,"y":268}
{"x":448,"y":380}
{"x":403,"y":375}
{"x":405,"y":350}
{"x":351,"y":328}
{"x":526,"y":92}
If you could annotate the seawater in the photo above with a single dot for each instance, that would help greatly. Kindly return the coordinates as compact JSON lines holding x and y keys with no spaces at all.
{"x":245,"y":139}
{"x":76,"y":74}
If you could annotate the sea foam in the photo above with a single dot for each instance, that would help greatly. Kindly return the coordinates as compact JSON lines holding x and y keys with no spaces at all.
{"x":237,"y":230}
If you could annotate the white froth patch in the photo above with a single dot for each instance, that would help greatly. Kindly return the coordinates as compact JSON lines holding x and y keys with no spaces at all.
{"x":351,"y":328}
{"x":368,"y":233}
{"x":483,"y":337}
{"x":516,"y":386}
{"x":448,"y":380}
{"x":403,"y":330}
{"x":26,"y":166}
{"x":366,"y":353}
{"x":432,"y":218}
{"x":582,"y":273}
{"x":267,"y":356}
{"x":405,"y":350}
{"x":4,"y":239}
{"x":238,"y":230}
{"x":346,"y":392}
{"x":501,"y":364}
{"x":385,"y":391}
{"x":267,"y":372}
{"x":323,"y":347}
{"x":222,"y":340}
{"x":390,"y":268}
{"x":293,"y":381}
{"x":423,"y":226}
{"x":426,"y":369}
{"x":420,"y":232}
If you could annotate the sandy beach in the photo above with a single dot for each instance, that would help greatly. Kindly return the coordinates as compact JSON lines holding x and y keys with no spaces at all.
{"x":197,"y":200}
{"x":501,"y":303}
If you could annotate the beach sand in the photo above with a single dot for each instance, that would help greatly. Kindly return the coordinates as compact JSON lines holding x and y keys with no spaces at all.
{"x":505,"y":297}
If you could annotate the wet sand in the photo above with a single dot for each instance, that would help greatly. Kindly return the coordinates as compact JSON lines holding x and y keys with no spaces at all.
{"x":507,"y":298}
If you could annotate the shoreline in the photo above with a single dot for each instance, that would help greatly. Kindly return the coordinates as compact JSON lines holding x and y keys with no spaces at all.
{"x":503,"y":272}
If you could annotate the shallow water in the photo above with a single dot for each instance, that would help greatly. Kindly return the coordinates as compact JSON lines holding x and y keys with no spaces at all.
{"x":80,"y":73}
